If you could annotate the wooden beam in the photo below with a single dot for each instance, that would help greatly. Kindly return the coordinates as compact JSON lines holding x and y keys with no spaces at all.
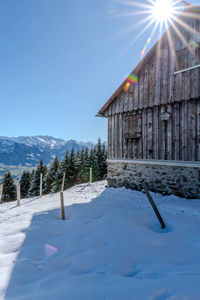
{"x":62,"y":206}
{"x":187,"y":69}
{"x":18,"y":194}
{"x":153,"y":206}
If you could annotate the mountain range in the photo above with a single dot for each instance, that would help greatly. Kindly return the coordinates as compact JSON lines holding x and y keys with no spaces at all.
{"x":27,"y":151}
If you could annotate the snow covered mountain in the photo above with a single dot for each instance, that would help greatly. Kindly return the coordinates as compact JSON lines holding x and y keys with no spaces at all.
{"x":29,"y":150}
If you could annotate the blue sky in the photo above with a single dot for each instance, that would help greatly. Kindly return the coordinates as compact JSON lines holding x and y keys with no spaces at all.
{"x":60,"y":62}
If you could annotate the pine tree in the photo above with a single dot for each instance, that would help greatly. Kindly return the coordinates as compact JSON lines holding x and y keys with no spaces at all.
{"x":72,"y":172}
{"x":104,"y":162}
{"x":9,"y":188}
{"x":93,"y":164}
{"x":35,"y":184}
{"x":101,"y":155}
{"x":82,"y":175}
{"x":63,"y":168}
{"x":25,"y":183}
{"x":51,"y":176}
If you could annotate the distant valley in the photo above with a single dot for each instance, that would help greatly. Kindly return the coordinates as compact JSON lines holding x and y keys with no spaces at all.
{"x":20,"y":153}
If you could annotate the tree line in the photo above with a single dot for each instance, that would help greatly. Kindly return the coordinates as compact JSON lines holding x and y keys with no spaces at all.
{"x":76,"y":167}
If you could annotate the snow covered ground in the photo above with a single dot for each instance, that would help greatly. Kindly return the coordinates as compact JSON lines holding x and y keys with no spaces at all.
{"x":110,"y":247}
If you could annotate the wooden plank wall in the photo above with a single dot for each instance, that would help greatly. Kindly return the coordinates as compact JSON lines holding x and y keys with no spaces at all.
{"x":157,"y":83}
{"x":177,"y":138}
{"x":143,"y":95}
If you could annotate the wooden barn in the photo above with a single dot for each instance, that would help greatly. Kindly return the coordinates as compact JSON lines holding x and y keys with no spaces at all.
{"x":154,"y":122}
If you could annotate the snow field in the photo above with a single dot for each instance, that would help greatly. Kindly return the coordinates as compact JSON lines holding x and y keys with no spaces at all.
{"x":110,"y":247}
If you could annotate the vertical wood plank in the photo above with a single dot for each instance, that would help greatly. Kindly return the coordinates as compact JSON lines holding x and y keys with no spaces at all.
{"x":62,"y":205}
{"x":157,"y":73}
{"x":184,"y":113}
{"x":155,"y":132}
{"x":120,"y":136}
{"x":171,"y":73}
{"x":162,"y":135}
{"x":116,"y":136}
{"x":125,"y":143}
{"x":113,"y":136}
{"x":109,"y":137}
{"x":191,"y":131}
{"x":176,"y":124}
{"x":151,"y":86}
{"x":135,"y":100}
{"x":169,"y":133}
{"x":144,"y":133}
{"x":146,"y":86}
{"x":63,"y":182}
{"x":41,"y":180}
{"x":125,"y":100}
{"x":131,"y":98}
{"x":149,"y":134}
{"x":18,"y":194}
{"x":141,"y":91}
{"x":90,"y":175}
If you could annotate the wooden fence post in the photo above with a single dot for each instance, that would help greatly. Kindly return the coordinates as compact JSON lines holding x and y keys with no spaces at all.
{"x":1,"y":192}
{"x":153,"y":206}
{"x":90,"y":175}
{"x":62,"y":206}
{"x":41,"y":176}
{"x":18,"y":194}
{"x":63,"y":182}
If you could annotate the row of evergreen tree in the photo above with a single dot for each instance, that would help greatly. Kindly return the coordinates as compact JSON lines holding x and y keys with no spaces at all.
{"x":76,"y":167}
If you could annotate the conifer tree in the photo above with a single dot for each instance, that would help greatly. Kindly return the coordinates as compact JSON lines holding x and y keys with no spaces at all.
{"x":63,"y":168}
{"x":101,"y":156}
{"x":51,"y":176}
{"x":82,"y":175}
{"x":32,"y":175}
{"x":9,"y":188}
{"x":25,"y":183}
{"x":35,"y":184}
{"x":86,"y":167}
{"x":93,"y":164}
{"x":104,"y":162}
{"x":72,"y":172}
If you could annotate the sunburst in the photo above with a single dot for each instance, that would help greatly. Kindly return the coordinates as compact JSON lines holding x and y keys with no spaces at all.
{"x":157,"y":14}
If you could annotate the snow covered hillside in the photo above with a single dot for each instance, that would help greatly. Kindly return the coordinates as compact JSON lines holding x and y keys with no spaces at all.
{"x":110,"y":247}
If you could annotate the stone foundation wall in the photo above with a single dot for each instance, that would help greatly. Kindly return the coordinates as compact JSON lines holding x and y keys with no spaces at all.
{"x":166,"y":177}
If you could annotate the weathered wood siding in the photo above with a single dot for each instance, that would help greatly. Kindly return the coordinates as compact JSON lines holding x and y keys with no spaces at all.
{"x":177,"y":138}
{"x":167,"y":102}
{"x":158,"y":82}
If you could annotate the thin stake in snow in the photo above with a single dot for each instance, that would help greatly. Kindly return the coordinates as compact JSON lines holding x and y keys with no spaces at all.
{"x":1,"y":192}
{"x":90,"y":175}
{"x":153,"y":206}
{"x":62,"y":205}
{"x":63,"y":182}
{"x":41,"y":185}
{"x":18,"y":194}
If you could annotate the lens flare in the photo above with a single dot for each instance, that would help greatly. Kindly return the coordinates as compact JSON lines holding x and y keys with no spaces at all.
{"x":126,"y":87}
{"x":50,"y":250}
{"x":132,"y":79}
{"x":163,"y":10}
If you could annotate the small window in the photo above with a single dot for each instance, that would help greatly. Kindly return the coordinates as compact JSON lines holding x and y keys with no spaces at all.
{"x":133,"y":127}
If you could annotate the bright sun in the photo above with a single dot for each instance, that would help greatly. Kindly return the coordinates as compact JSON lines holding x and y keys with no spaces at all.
{"x":163,"y":10}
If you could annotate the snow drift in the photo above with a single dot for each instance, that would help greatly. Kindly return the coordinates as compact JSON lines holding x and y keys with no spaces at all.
{"x":110,"y":247}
